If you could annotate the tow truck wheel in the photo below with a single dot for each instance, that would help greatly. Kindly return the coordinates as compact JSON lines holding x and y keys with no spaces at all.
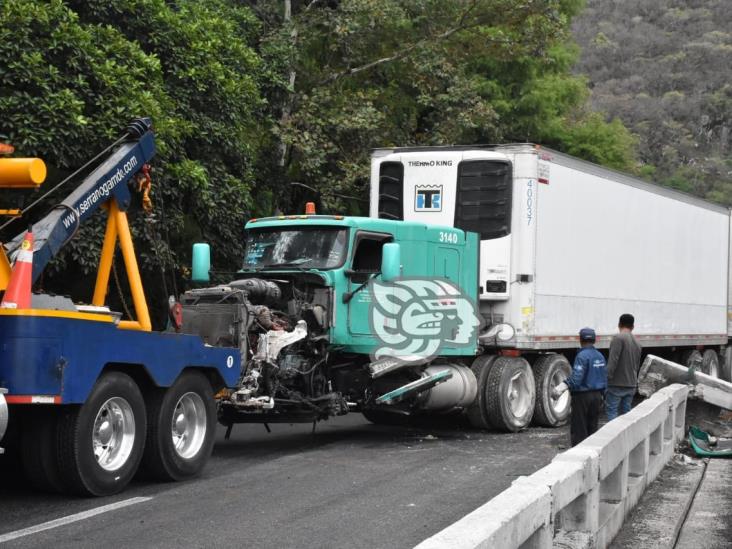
{"x":477,"y":414}
{"x":100,"y":443}
{"x":38,"y":449}
{"x":181,"y":427}
{"x":510,"y":394}
{"x":549,"y":371}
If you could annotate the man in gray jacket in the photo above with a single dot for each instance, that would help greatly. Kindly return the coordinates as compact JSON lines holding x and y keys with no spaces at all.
{"x":622,"y":368}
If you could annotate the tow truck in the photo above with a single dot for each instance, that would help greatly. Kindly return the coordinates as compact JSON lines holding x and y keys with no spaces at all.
{"x":89,"y":398}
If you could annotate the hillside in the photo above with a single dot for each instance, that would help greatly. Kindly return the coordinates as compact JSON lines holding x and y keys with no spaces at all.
{"x":663,"y":68}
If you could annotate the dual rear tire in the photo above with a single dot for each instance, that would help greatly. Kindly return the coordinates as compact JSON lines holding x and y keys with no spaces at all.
{"x":181,"y":422}
{"x":95,"y":449}
{"x":549,"y":371}
{"x":512,"y":394}
{"x":506,"y":393}
{"x":706,"y":362}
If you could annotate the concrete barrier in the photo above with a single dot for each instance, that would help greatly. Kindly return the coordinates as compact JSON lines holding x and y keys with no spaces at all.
{"x":656,"y":372}
{"x":582,"y":497}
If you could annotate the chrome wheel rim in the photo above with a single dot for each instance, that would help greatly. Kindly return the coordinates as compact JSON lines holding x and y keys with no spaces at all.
{"x":188,"y":425}
{"x":713,"y":368}
{"x":519,"y":394}
{"x":560,"y":404}
{"x":113,"y":435}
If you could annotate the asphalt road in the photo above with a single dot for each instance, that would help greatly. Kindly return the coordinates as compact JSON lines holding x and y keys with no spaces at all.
{"x":352,"y":484}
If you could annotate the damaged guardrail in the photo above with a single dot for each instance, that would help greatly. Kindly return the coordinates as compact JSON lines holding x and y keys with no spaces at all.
{"x":656,"y":372}
{"x":582,"y":497}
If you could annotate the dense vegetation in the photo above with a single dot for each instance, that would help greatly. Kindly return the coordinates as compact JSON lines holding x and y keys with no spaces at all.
{"x":663,"y":68}
{"x":249,"y":97}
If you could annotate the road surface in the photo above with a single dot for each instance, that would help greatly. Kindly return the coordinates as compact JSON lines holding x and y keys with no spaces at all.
{"x":352,"y":484}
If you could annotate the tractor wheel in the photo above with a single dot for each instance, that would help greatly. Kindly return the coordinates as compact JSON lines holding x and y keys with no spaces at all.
{"x":476,"y":412}
{"x":549,"y":371}
{"x":510,"y":394}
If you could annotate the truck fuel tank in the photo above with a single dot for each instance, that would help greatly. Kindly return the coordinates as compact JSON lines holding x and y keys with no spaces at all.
{"x":457,"y":392}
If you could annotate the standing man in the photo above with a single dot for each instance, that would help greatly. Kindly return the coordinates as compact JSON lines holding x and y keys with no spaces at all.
{"x":587,"y":384}
{"x":622,"y":368}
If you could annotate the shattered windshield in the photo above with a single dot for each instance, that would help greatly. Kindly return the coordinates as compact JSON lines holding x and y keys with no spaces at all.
{"x":307,"y":248}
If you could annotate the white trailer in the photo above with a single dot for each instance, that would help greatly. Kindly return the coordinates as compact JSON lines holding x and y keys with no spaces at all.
{"x":566,"y":244}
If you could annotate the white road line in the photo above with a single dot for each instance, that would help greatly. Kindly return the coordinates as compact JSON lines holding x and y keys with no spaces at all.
{"x":71,"y":518}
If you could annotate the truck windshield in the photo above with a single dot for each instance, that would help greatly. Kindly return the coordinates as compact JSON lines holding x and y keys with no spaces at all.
{"x":310,"y":248}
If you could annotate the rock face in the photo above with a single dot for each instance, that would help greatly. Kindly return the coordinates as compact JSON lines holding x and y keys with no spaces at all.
{"x":662,"y":67}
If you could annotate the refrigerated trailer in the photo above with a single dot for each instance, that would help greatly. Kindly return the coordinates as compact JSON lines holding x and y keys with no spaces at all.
{"x":565,"y":243}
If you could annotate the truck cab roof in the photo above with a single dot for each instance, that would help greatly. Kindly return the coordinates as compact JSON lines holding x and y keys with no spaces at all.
{"x":402,"y":230}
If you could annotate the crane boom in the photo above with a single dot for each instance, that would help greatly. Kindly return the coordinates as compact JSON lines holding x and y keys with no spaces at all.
{"x":108,"y":180}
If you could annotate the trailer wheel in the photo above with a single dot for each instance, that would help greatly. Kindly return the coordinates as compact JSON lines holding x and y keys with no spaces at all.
{"x":476,"y":412}
{"x":710,"y":363}
{"x":100,"y":443}
{"x":38,"y":450}
{"x":692,"y":358}
{"x":181,"y":428}
{"x":726,"y":361}
{"x":510,"y":394}
{"x":549,"y":371}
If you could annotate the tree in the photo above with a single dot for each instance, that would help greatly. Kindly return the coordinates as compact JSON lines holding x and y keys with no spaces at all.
{"x":73,"y":74}
{"x":374,"y":73}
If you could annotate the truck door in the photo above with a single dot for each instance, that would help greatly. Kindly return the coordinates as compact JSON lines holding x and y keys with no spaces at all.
{"x":365,"y":262}
{"x":447,"y":264}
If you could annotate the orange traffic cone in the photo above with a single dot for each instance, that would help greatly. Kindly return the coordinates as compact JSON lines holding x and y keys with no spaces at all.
{"x":18,"y":294}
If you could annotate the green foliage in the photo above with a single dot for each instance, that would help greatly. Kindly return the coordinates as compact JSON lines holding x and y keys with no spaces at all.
{"x":74,"y":74}
{"x":373,"y":73}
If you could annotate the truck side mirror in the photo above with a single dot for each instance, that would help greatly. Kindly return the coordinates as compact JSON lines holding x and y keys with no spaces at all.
{"x":201,"y":262}
{"x":391,"y":261}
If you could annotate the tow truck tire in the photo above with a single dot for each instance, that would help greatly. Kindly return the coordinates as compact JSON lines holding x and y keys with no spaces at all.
{"x":710,"y":363}
{"x":38,"y":450}
{"x":510,"y":394}
{"x":476,"y":412}
{"x":181,"y":429}
{"x":549,"y":371}
{"x":100,"y":443}
{"x":12,"y":473}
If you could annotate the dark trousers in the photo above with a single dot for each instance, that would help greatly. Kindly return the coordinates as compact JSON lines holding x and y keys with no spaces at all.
{"x":586,"y":409}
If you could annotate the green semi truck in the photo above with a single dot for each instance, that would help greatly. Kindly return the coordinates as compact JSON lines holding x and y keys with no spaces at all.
{"x":335,"y":314}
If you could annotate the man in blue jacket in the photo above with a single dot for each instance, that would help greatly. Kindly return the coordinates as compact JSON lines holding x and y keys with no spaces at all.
{"x":587,"y":385}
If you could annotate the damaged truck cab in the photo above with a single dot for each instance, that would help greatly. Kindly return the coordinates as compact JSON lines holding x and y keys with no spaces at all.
{"x":300,"y":313}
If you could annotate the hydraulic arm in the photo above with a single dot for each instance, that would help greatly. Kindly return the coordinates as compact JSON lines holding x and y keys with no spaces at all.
{"x":109,"y":180}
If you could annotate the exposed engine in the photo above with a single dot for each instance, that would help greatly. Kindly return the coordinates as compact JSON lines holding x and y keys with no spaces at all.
{"x":280,"y":327}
